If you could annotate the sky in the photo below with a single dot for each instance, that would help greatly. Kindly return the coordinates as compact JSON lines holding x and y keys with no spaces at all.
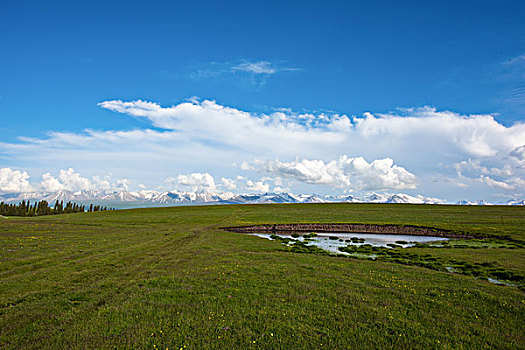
{"x":326,"y":97}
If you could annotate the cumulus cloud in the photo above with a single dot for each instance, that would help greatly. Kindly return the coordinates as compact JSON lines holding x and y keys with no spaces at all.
{"x":228,"y":183}
{"x":243,"y":184}
{"x":193,"y":181}
{"x":14,"y":181}
{"x":70,"y":180}
{"x":519,"y":154}
{"x":67,"y":180}
{"x":475,"y":135}
{"x":505,"y":173}
{"x":123,"y":184}
{"x":494,"y":183}
{"x":345,"y":173}
{"x":257,"y":186}
{"x":427,"y":142}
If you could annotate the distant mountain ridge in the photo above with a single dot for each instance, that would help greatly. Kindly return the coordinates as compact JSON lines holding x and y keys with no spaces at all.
{"x":149,"y":198}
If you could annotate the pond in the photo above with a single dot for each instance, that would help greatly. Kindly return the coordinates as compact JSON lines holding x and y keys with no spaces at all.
{"x":331,"y":242}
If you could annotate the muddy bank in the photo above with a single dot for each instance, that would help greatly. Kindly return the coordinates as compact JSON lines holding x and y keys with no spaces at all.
{"x":348,"y":228}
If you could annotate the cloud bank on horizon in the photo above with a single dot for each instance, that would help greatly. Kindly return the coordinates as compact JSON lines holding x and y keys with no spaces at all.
{"x":203,"y":145}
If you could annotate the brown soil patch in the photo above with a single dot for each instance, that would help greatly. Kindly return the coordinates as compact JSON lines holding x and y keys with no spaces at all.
{"x":348,"y":228}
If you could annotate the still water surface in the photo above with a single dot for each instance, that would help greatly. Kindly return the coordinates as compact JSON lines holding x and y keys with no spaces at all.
{"x":343,"y":239}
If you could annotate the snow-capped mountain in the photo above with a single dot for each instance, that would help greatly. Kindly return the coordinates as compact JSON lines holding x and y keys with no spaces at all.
{"x":405,"y":198}
{"x":376,"y":198}
{"x":516,"y":202}
{"x":148,"y":198}
{"x":479,"y":202}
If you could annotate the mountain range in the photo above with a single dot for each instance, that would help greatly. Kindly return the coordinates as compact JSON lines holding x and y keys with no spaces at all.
{"x":149,"y":198}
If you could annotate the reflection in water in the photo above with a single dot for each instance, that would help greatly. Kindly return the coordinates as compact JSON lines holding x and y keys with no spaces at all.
{"x":332,"y":241}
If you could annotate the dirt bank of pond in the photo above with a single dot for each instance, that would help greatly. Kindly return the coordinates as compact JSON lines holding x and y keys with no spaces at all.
{"x":349,"y":228}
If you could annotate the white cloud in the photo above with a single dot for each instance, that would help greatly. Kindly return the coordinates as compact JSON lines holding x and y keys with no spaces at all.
{"x":70,"y":180}
{"x":425,"y":141}
{"x":206,"y":182}
{"x":243,"y":184}
{"x":476,"y":135}
{"x":229,"y":183}
{"x":494,"y":183}
{"x":505,"y":172}
{"x":278,"y":189}
{"x":519,"y":154}
{"x":345,"y":173}
{"x":260,"y":67}
{"x":247,"y":73}
{"x":123,"y":184}
{"x":519,"y":60}
{"x":257,"y":186}
{"x":14,"y":181}
{"x":73,"y":181}
{"x":51,"y":183}
{"x":193,"y":181}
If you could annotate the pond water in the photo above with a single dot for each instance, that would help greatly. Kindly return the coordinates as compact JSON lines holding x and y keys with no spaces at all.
{"x":328,"y":242}
{"x":492,"y":280}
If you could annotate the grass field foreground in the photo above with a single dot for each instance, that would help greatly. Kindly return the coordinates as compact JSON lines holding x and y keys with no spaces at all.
{"x":168,"y":278}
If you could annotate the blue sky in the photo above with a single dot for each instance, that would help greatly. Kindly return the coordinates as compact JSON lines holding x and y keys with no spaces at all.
{"x":60,"y":60}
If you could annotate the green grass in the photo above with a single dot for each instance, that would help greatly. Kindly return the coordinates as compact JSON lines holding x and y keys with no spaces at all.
{"x":169,"y":278}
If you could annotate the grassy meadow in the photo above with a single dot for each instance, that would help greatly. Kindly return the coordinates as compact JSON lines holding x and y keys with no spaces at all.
{"x":169,"y":278}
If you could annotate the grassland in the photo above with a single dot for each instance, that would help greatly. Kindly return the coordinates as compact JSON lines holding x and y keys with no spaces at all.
{"x":169,"y":278}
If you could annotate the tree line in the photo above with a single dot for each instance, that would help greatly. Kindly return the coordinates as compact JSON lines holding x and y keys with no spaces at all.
{"x":43,"y":208}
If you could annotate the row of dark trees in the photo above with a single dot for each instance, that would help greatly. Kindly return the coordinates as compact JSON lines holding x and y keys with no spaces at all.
{"x":43,"y":208}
